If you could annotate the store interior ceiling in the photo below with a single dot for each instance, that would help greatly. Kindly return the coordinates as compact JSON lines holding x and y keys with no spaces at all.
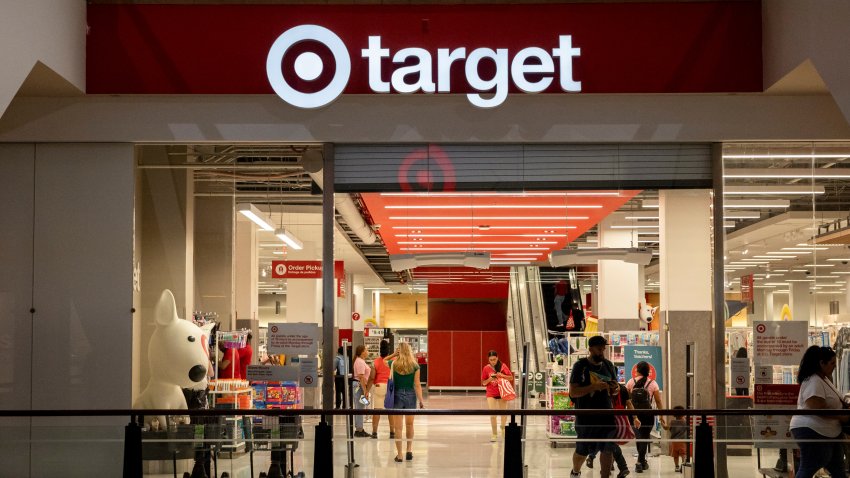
{"x":777,"y":195}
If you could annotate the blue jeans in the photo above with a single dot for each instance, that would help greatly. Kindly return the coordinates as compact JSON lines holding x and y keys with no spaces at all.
{"x":358,"y":419}
{"x":816,"y":455}
{"x":559,"y":302}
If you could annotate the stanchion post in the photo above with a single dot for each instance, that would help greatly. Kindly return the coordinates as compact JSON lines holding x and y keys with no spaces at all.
{"x":513,"y":450}
{"x":323,"y":464}
{"x":133,"y":449}
{"x":704,"y":451}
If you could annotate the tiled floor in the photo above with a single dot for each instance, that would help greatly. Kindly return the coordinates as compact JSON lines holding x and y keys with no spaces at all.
{"x":453,"y":446}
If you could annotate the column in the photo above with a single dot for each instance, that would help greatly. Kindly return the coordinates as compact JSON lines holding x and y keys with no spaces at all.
{"x":304,"y":296}
{"x":620,"y":287}
{"x":799,"y":297}
{"x":246,"y":269}
{"x":686,"y":300}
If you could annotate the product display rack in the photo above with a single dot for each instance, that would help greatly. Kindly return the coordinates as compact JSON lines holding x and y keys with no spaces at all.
{"x":559,"y":427}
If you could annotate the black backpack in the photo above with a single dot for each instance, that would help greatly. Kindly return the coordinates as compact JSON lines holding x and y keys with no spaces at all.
{"x":641,"y":398}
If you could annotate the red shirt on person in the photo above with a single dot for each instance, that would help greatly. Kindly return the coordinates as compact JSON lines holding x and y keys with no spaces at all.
{"x":245,"y":355}
{"x":493,"y":387}
{"x":234,"y":368}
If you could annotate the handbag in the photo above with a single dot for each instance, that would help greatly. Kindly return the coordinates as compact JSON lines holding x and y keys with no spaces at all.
{"x":624,"y":431}
{"x":506,"y":389}
{"x":389,"y":399}
{"x":571,"y":323}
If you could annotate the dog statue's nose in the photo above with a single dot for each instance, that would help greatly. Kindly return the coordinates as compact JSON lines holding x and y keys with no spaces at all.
{"x":197,"y":373}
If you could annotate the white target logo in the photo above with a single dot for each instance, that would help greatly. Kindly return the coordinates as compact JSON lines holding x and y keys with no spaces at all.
{"x":308,"y":66}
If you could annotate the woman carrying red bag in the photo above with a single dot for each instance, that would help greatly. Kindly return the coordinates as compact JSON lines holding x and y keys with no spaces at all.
{"x":494,"y":371}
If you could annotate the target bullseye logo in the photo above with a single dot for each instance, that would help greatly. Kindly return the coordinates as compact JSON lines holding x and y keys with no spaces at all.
{"x":308,"y":66}
{"x":761,"y":328}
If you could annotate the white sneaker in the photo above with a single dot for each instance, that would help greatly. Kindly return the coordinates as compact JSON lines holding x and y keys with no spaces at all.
{"x":494,"y":438}
{"x":575,"y":474}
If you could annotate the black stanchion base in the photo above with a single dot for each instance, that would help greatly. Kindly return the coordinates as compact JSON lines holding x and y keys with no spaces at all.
{"x":513,"y":451}
{"x":323,"y":451}
{"x":703,"y":451}
{"x":133,"y":450}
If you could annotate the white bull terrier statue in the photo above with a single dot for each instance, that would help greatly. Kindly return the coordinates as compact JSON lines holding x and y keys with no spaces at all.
{"x":178,"y":358}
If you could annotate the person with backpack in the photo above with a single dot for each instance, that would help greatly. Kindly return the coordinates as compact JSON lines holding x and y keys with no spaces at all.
{"x":621,"y":401}
{"x":645,"y":395}
{"x":590,"y":380}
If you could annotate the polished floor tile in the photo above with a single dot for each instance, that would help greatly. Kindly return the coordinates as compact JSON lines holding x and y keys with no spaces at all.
{"x":453,"y":446}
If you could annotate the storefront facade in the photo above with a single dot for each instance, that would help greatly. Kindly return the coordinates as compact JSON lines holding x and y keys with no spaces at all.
{"x":580,"y":74}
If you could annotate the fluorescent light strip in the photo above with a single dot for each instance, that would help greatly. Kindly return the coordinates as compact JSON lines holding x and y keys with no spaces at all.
{"x":486,"y":218}
{"x":253,"y":213}
{"x":838,"y":260}
{"x":786,"y":156}
{"x":811,"y":248}
{"x":477,"y":243}
{"x":741,"y":215}
{"x":472,"y":249}
{"x":490,"y":227}
{"x":819,"y":265}
{"x":756,"y":203}
{"x":501,"y":206}
{"x":765,"y":190}
{"x":789,"y":253}
{"x":635,"y":226}
{"x":788,"y":173}
{"x":479,"y":235}
{"x":495,"y":194}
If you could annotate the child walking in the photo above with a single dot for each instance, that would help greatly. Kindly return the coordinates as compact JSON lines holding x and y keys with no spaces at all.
{"x":678,"y":429}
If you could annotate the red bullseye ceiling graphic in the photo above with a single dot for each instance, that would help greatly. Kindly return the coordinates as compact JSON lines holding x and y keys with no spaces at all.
{"x":515,"y":228}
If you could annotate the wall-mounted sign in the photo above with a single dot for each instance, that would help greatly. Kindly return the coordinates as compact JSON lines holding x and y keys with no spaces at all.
{"x":650,"y":354}
{"x":311,"y":54}
{"x":293,"y":339}
{"x":740,"y":368}
{"x":779,"y":343}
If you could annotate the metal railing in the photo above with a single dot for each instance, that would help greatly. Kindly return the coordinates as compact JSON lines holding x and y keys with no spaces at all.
{"x":704,"y":463}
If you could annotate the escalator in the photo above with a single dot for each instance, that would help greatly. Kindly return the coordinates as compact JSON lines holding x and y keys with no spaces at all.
{"x":527,"y":319}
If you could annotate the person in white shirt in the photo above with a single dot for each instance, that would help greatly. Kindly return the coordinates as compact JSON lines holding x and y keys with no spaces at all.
{"x":819,"y":437}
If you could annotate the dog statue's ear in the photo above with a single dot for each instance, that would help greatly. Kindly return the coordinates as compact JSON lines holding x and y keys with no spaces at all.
{"x":166,"y":309}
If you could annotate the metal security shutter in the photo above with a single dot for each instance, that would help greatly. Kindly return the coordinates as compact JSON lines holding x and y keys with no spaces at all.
{"x":447,"y":167}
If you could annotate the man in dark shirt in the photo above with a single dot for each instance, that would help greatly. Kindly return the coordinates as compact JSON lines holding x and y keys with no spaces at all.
{"x":589,"y":382}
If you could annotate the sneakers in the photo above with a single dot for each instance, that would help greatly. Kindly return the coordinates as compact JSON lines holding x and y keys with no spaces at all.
{"x":494,"y":438}
{"x":589,"y":462}
{"x":623,"y":473}
{"x":361,"y":434}
{"x":639,"y":467}
{"x":575,"y":474}
{"x":678,"y":468}
{"x":645,"y":465}
{"x":374,"y":435}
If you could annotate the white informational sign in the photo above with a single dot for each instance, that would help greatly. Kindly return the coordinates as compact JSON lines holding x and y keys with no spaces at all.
{"x":293,"y":339}
{"x":779,"y":343}
{"x":764,"y":374}
{"x":309,"y":372}
{"x":772,"y":431}
{"x":273,"y":373}
{"x":740,"y":373}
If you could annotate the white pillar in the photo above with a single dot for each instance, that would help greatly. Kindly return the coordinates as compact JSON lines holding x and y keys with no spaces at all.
{"x":685,"y":273}
{"x":360,"y":301}
{"x":768,"y":305}
{"x":304,"y":296}
{"x":620,"y":283}
{"x":799,"y":299}
{"x":246,"y":267}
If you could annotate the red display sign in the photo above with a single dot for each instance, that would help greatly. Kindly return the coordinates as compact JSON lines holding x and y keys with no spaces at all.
{"x":653,"y":47}
{"x":776,"y":394}
{"x":302,"y":269}
{"x":747,"y":288}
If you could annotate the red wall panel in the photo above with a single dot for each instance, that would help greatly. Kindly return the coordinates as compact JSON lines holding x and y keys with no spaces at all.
{"x":452,"y":315}
{"x":467,"y":359}
{"x":468,"y":290}
{"x":439,"y":359}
